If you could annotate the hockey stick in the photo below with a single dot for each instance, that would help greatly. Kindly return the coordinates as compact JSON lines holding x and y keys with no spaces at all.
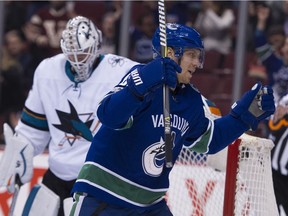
{"x":18,"y":184}
{"x":166,"y":106}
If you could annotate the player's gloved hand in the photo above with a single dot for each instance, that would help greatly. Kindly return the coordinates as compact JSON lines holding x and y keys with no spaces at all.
{"x":16,"y":160}
{"x":151,"y":76}
{"x":254,"y":106}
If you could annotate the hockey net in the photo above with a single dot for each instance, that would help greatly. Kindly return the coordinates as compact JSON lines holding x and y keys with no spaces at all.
{"x":202,"y":185}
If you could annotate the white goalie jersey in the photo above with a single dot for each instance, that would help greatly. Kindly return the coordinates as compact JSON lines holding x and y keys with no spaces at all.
{"x":61,"y":112}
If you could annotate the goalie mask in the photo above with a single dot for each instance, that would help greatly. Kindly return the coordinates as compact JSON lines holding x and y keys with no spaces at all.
{"x":179,"y":37}
{"x":80,"y":43}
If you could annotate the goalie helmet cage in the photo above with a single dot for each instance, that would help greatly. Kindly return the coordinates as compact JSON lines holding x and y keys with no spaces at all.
{"x":245,"y":189}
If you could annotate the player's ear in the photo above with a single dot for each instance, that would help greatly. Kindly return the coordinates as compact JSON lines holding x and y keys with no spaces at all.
{"x":170,"y":53}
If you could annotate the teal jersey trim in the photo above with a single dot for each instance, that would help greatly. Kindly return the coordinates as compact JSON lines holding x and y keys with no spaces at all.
{"x":34,"y":120}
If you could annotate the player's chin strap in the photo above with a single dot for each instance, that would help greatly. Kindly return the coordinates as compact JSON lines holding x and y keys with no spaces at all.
{"x":17,"y":160}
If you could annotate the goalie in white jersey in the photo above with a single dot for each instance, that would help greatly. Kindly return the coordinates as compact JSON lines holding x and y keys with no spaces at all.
{"x":60,"y":109}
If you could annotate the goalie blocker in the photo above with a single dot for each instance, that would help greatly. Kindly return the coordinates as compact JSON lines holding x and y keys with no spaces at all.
{"x":16,"y":160}
{"x":16,"y":167}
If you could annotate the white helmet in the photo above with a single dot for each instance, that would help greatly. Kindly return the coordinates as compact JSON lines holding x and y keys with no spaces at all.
{"x":80,"y":43}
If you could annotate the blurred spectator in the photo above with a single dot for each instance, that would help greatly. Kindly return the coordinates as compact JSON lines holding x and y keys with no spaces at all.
{"x":116,"y":7}
{"x":108,"y":31}
{"x":192,"y":10}
{"x":273,"y":54}
{"x":276,"y":37}
{"x":33,"y":7}
{"x":14,"y":15}
{"x":279,"y":13}
{"x":141,"y":38}
{"x":175,"y":12}
{"x":215,"y":23}
{"x":109,"y":39}
{"x":107,"y":17}
{"x":251,"y":26}
{"x":274,"y":33}
{"x":44,"y":29}
{"x":18,"y":49}
{"x":280,"y":85}
{"x":140,"y":8}
{"x":271,"y":50}
{"x":270,"y":21}
{"x":12,"y":76}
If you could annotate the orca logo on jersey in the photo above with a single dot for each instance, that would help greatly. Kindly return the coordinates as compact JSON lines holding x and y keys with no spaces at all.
{"x":153,"y":158}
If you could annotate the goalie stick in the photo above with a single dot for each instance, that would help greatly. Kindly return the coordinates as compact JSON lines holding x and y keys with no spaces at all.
{"x":166,"y":107}
{"x":18,"y":185}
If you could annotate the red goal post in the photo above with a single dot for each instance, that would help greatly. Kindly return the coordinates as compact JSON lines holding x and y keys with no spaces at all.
{"x":244,"y":188}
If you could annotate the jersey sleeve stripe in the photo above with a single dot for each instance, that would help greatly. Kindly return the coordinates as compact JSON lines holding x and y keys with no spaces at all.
{"x":35,"y":120}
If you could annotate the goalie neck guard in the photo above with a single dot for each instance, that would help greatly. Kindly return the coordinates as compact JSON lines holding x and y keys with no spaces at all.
{"x":80,"y":43}
{"x":179,"y":37}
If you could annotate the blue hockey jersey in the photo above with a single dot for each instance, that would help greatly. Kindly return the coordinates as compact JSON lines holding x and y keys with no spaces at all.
{"x":125,"y":164}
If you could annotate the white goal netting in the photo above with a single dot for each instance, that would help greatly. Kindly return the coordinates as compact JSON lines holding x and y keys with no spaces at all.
{"x":254,"y":186}
{"x":197,"y":189}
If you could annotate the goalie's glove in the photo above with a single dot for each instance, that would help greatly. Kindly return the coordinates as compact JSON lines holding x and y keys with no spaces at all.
{"x":254,"y":106}
{"x":151,"y":76}
{"x":16,"y":160}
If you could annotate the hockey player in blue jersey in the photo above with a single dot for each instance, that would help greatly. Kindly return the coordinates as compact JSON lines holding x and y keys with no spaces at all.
{"x":125,"y":172}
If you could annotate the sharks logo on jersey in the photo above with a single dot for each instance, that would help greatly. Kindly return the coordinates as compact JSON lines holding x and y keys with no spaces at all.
{"x":116,"y":60}
{"x":153,"y":157}
{"x":73,"y":127}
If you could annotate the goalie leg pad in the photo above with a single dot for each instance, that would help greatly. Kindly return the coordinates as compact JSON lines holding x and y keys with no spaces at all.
{"x":41,"y":201}
{"x":67,"y":205}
